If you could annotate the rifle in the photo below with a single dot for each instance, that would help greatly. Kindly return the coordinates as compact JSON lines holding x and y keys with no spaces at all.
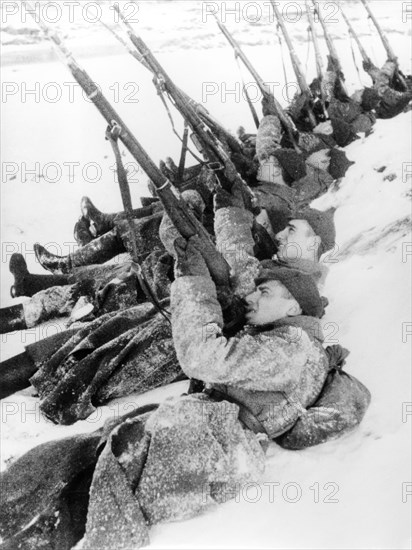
{"x":332,"y":50}
{"x":183,"y":219}
{"x":287,"y":123}
{"x":217,"y":158}
{"x":203,"y":113}
{"x":297,"y":67}
{"x":318,"y":56}
{"x":390,"y":53}
{"x":365,"y":57}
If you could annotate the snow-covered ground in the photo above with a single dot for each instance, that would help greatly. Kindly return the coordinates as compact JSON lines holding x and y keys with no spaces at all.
{"x":351,"y":493}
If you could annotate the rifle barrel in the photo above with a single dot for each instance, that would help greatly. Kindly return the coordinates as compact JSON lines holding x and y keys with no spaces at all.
{"x":179,"y":97}
{"x":389,"y":51}
{"x":184,"y":220}
{"x":195,"y":116}
{"x":328,"y":38}
{"x":362,"y":50}
{"x":387,"y":46}
{"x":297,"y":67}
{"x":285,"y":120}
{"x":331,"y":47}
{"x":318,"y":55}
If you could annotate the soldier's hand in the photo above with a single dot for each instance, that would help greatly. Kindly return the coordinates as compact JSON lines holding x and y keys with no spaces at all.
{"x":225,"y":199}
{"x":268,"y":106}
{"x":189,"y":259}
{"x":367,"y":66}
{"x":242,"y":193}
{"x":238,"y":197}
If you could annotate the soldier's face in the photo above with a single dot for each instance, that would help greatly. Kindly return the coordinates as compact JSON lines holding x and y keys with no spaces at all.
{"x":269,"y":302}
{"x":297,"y":241}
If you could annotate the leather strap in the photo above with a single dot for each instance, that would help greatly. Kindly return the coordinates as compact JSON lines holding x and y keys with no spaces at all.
{"x":246,"y":417}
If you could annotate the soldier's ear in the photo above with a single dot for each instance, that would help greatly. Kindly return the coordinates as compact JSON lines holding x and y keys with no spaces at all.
{"x":294,"y":310}
{"x":317,"y":241}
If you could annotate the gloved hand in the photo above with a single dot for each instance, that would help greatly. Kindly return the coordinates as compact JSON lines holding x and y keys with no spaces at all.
{"x":224,"y":199}
{"x":268,"y":106}
{"x":237,"y":197}
{"x":169,"y":169}
{"x":189,"y":259}
{"x":368,"y":66}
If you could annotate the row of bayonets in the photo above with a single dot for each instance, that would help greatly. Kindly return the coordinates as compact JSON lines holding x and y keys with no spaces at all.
{"x":296,"y":64}
{"x":208,"y":134}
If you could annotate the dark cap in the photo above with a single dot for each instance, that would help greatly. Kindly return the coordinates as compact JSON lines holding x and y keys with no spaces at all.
{"x":292,"y":163}
{"x":339,"y":163}
{"x":300,"y":285}
{"x":370,"y":99}
{"x":322,"y":224}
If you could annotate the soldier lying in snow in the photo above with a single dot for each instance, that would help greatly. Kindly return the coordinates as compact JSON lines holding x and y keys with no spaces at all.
{"x":390,"y":101}
{"x":196,"y":450}
{"x":96,"y":289}
{"x":304,"y":176}
{"x":269,"y":370}
{"x":309,"y":233}
{"x":70,"y":369}
{"x":101,"y":289}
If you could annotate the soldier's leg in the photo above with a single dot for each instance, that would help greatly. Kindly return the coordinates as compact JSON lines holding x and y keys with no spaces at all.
{"x":97,"y":251}
{"x":392,"y":103}
{"x":102,"y":222}
{"x":28,"y":284}
{"x":57,"y":301}
{"x":82,"y":232}
{"x":15,"y":374}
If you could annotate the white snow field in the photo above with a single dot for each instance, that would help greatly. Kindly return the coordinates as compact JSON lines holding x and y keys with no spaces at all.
{"x":352,"y":493}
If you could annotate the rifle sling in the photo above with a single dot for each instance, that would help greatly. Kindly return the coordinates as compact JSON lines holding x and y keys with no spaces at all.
{"x":247,"y":418}
{"x":183,"y":152}
{"x":125,"y":192}
{"x":169,"y":114}
{"x":249,"y":101}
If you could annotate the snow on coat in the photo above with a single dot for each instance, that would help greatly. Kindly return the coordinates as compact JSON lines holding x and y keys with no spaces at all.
{"x":268,"y":137}
{"x":118,"y":353}
{"x":199,"y":455}
{"x":275,"y":373}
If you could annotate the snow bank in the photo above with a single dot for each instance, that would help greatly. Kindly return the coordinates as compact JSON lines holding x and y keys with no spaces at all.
{"x":346,"y":494}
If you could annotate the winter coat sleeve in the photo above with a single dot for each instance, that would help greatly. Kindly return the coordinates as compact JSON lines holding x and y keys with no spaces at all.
{"x":262,"y":362}
{"x":168,"y":234}
{"x":234,"y":240}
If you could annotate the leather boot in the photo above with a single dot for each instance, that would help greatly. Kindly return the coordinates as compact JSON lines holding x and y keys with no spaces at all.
{"x":28,"y":284}
{"x":15,"y":374}
{"x":52,"y":262}
{"x":101,"y":221}
{"x":12,"y":318}
{"x":97,"y":251}
{"x":82,"y":231}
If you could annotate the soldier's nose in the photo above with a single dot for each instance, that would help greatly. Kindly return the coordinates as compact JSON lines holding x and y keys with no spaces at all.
{"x":250,"y":298}
{"x":246,"y":300}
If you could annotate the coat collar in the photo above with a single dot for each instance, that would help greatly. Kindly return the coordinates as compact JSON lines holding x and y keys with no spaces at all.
{"x":311,"y":325}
